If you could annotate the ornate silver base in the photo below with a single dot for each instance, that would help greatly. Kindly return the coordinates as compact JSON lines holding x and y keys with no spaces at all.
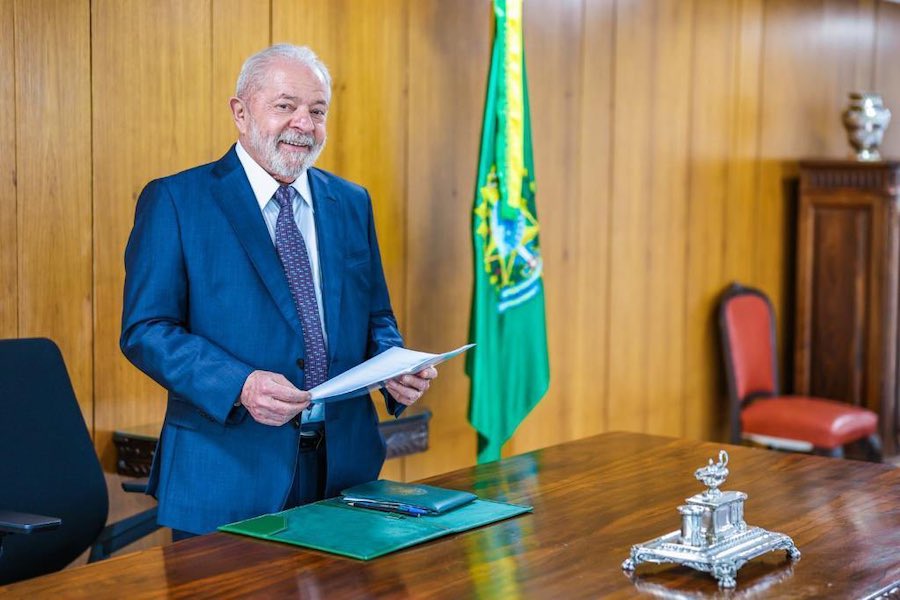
{"x":722,"y":559}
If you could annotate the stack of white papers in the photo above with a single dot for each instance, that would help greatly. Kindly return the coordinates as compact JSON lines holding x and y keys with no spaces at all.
{"x":375,"y":372}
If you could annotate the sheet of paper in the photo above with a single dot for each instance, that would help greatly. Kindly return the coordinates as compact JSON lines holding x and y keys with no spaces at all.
{"x":372,"y":374}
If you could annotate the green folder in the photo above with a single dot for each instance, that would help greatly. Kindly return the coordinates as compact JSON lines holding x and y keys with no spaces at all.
{"x":332,"y":526}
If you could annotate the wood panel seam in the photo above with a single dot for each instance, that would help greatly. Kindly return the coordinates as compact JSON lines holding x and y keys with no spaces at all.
{"x":610,"y":190}
{"x":93,"y":428}
{"x":688,"y":212}
{"x":760,"y":90}
{"x":15,"y":135}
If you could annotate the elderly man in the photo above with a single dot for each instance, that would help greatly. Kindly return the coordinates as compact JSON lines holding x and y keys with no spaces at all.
{"x":248,"y":281}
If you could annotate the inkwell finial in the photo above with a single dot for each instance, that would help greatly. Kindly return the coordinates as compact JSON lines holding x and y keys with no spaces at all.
{"x":713,"y":475}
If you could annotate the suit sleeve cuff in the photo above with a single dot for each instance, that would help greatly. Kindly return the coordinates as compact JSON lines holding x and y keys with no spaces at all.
{"x":393,"y":407}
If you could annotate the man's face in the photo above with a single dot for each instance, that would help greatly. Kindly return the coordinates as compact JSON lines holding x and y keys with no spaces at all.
{"x":282,"y":123}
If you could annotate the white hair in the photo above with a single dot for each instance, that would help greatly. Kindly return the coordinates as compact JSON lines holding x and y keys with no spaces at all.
{"x":253,"y":71}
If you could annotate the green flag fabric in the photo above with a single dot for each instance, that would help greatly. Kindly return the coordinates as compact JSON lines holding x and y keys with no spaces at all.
{"x":508,"y":367}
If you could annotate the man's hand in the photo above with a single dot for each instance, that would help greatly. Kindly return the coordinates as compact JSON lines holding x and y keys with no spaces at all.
{"x":271,"y":399}
{"x":406,"y":389}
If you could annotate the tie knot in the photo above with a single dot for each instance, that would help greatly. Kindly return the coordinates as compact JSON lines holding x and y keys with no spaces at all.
{"x":284,"y":196}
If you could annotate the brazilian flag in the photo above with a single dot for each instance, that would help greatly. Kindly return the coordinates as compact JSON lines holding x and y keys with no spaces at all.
{"x":508,"y":367}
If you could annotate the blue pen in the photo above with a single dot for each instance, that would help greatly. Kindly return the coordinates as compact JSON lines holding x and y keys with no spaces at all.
{"x":402,"y":509}
{"x":415,"y":510}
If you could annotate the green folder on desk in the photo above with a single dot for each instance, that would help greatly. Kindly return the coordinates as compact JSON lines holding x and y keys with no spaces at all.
{"x":333,"y":526}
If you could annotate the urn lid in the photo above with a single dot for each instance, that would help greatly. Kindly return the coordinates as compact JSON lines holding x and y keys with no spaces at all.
{"x":713,"y":475}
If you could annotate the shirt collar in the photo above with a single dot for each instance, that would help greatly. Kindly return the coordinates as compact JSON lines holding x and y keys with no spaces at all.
{"x":264,"y":185}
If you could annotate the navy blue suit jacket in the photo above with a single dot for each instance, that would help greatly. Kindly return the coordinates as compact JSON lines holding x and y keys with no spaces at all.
{"x":207,"y":303}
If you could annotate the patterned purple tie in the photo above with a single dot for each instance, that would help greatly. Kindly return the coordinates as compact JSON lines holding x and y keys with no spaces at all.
{"x":295,"y":260}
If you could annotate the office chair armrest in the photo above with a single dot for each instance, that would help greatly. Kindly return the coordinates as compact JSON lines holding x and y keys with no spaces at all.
{"x":117,"y":535}
{"x":136,"y":486}
{"x":18,"y":522}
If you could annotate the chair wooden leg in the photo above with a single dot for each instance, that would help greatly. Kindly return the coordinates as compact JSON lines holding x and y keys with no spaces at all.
{"x":872,"y":444}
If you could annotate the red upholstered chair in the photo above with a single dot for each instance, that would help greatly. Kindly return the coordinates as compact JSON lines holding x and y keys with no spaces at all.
{"x":759,"y":413}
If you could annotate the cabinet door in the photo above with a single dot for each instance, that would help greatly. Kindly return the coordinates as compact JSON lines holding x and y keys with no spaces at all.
{"x":838,"y":293}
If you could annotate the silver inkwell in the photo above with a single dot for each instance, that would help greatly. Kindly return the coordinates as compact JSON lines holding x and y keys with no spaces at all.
{"x":714,"y":537}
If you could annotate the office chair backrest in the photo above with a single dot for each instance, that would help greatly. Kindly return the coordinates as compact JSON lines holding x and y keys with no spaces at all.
{"x":48,"y":464}
{"x":747,"y":324}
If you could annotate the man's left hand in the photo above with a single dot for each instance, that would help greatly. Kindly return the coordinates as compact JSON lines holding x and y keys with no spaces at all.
{"x":406,"y":389}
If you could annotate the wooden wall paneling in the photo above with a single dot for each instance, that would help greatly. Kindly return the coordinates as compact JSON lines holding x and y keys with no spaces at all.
{"x":9,"y":306}
{"x":53,"y":139}
{"x":553,"y":50}
{"x":861,"y":19}
{"x":151,"y":115}
{"x":847,"y":30}
{"x":588,"y":325}
{"x":812,"y":57}
{"x":653,"y":43}
{"x":788,"y":118}
{"x":449,"y":55}
{"x":799,"y":118}
{"x":365,"y":46}
{"x":742,"y":192}
{"x":743,"y":153}
{"x":240,"y":28}
{"x":630,"y":204}
{"x":666,"y":236}
{"x":631,"y":274}
{"x":886,"y":78}
{"x":712,"y":135}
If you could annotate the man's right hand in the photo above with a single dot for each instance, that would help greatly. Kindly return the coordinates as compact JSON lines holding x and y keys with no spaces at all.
{"x":271,"y":399}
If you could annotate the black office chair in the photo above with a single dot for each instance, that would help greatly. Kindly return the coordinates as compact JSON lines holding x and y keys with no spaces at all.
{"x":49,"y":467}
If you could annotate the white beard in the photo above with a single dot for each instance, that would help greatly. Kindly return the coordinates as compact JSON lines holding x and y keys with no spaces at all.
{"x":279,"y":163}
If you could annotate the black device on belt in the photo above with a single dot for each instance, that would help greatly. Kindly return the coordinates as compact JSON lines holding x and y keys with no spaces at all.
{"x":311,"y":439}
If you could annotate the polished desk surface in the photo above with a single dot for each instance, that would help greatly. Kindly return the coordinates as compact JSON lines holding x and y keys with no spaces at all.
{"x":592,"y":499}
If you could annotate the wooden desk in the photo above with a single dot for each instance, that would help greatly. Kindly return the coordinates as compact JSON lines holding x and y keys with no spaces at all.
{"x":592,"y":499}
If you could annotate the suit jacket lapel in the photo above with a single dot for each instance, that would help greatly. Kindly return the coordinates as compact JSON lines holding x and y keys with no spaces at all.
{"x":232,"y":191}
{"x":329,"y":231}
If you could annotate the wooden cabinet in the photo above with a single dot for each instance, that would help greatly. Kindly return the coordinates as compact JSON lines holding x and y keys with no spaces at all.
{"x":848,"y":258}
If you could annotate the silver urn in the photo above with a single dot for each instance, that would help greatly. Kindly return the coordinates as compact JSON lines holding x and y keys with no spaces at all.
{"x":865,"y":120}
